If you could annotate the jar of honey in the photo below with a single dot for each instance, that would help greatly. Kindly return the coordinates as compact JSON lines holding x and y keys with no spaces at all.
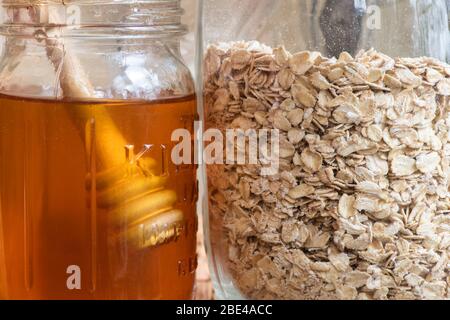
{"x":91,"y":204}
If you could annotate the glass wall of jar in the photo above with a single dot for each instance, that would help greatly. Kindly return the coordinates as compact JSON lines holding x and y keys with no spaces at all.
{"x":331,"y":178}
{"x":91,"y":204}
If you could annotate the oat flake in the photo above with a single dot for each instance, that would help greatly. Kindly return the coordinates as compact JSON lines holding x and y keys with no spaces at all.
{"x":360,"y":206}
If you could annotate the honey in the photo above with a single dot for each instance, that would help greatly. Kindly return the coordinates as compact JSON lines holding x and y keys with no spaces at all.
{"x":91,"y":205}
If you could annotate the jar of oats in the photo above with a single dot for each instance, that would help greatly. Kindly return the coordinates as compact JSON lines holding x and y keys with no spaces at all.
{"x":327,"y":148}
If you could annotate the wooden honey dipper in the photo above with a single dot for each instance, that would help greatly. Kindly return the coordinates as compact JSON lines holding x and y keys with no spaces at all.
{"x":130,"y":188}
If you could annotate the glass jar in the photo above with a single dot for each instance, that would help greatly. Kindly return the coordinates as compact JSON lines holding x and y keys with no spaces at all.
{"x":91,"y":204}
{"x":330,"y":178}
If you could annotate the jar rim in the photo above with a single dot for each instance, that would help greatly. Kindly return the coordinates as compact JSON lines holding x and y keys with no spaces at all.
{"x":81,"y":2}
{"x":93,"y":18}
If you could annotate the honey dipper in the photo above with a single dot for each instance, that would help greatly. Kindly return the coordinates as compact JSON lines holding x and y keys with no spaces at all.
{"x":130,"y":189}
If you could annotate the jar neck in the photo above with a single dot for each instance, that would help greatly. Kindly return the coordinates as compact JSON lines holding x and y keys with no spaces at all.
{"x":100,"y":19}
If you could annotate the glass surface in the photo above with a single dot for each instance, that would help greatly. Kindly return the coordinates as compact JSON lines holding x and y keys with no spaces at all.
{"x":91,"y":204}
{"x":396,"y":28}
{"x":234,"y":96}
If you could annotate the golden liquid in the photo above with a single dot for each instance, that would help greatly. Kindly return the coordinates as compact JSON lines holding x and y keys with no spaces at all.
{"x":51,"y":156}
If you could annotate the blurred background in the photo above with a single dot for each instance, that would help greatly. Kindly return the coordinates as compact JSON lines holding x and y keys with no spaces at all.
{"x":203,"y":287}
{"x":188,"y":45}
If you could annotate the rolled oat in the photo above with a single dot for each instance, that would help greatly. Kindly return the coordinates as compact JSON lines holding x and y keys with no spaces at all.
{"x":360,"y":206}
